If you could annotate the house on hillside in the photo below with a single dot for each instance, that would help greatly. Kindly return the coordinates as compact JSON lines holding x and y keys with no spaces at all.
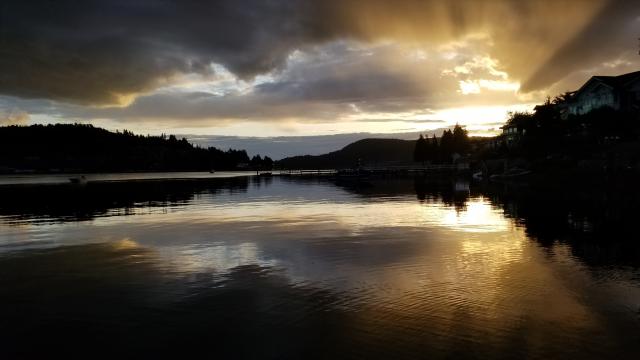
{"x":512,"y":134}
{"x":510,"y":137}
{"x":618,"y":92}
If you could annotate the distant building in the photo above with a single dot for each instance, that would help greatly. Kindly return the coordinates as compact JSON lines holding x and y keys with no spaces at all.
{"x":618,"y":92}
{"x":512,"y":134}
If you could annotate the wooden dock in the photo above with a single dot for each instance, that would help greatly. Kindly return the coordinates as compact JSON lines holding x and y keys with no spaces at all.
{"x":369,"y":171}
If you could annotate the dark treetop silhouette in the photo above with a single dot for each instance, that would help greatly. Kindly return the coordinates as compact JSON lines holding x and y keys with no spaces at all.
{"x":86,"y":148}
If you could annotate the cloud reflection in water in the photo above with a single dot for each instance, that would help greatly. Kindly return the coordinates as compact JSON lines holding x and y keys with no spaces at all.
{"x":315,"y":270}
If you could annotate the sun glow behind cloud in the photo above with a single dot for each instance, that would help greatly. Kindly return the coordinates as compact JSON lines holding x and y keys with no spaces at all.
{"x":480,"y":120}
{"x":313,"y":67}
{"x":338,"y":87}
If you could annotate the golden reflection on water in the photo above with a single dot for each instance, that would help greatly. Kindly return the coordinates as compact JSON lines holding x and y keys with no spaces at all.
{"x":124,"y":244}
{"x":477,"y":216}
{"x":486,"y":281}
{"x":404,"y":269}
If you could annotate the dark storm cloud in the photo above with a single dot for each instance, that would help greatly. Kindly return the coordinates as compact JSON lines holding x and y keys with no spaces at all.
{"x":365,"y":85}
{"x":325,"y":83}
{"x":106,"y":52}
{"x":95,"y":51}
{"x":372,"y":77}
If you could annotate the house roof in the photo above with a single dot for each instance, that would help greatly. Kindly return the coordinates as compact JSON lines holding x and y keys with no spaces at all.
{"x":617,"y":82}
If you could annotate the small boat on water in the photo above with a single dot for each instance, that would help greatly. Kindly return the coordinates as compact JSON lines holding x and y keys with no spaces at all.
{"x":81,"y":180}
{"x":265,"y":174}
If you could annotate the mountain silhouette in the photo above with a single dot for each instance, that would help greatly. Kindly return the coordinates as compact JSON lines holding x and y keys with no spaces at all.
{"x":366,"y":152}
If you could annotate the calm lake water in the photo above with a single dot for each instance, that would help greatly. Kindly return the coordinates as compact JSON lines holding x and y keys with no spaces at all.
{"x":283,"y":268}
{"x":15,"y":179}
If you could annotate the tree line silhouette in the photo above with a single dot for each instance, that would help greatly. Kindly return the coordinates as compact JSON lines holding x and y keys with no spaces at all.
{"x":80,"y":147}
{"x":434,"y":150}
{"x":546,"y":138}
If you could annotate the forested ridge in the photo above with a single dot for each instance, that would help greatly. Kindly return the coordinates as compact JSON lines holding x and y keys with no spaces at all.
{"x":80,"y":147}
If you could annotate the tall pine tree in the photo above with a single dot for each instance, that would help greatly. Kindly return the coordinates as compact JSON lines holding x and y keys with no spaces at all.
{"x":446,"y":146}
{"x":460,"y":140}
{"x":420,"y":150}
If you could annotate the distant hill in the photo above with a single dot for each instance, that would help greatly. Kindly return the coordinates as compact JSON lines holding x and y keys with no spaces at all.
{"x":280,"y":147}
{"x":84,"y":148}
{"x":369,"y":151}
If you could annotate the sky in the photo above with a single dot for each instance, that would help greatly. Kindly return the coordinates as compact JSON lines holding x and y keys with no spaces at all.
{"x":280,"y":68}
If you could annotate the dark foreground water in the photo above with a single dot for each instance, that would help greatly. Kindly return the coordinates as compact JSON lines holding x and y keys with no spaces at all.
{"x":282,"y":268}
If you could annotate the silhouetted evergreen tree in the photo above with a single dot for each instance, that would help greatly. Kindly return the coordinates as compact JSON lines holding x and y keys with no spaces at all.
{"x":460,"y":140}
{"x":446,"y":146}
{"x":427,"y":150}
{"x":435,"y":148}
{"x":420,"y":150}
{"x":267,"y":163}
{"x":256,"y":161}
